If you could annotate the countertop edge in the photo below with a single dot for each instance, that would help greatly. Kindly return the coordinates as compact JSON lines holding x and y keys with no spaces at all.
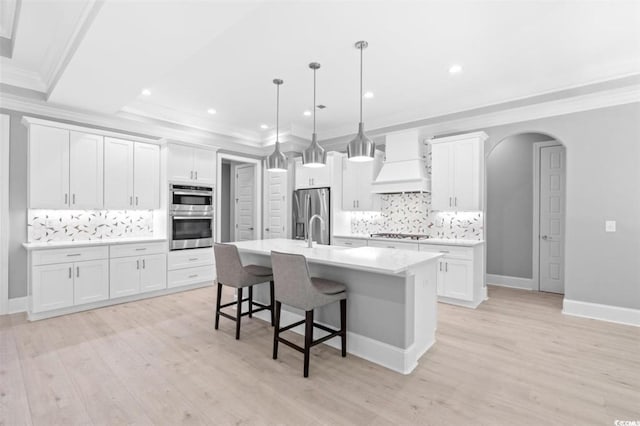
{"x":434,"y":241}
{"x":89,"y":243}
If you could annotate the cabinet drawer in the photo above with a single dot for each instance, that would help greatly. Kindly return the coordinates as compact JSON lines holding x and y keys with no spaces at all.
{"x":141,"y":249}
{"x":187,"y":276}
{"x":180,"y":259}
{"x":49,"y":257}
{"x":450,"y":252}
{"x":349,"y":242}
{"x":394,"y":244}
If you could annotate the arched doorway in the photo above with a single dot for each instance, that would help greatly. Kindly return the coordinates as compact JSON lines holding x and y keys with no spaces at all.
{"x":524,"y":213}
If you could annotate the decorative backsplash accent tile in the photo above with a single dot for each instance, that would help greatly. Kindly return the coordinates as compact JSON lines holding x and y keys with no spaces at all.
{"x":76,"y":225}
{"x":410,"y":214}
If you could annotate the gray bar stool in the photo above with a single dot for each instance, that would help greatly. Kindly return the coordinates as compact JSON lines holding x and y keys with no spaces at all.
{"x":231,"y":273}
{"x":296,"y":288}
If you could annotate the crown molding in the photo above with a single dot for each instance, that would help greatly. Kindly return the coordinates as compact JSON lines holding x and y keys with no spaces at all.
{"x":8,"y":22}
{"x":475,"y":119}
{"x":157,"y":129}
{"x":21,"y":78}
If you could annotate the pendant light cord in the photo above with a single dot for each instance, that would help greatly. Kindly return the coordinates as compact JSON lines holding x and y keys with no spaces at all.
{"x":277,"y":111}
{"x":314,"y":100}
{"x":361,"y":49}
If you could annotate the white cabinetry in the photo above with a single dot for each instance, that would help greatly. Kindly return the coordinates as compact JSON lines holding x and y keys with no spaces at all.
{"x":137,"y":268}
{"x":457,"y":172}
{"x":189,"y":164}
{"x":132,"y":175}
{"x":191,"y":267}
{"x":349,"y":242}
{"x":356,"y":184}
{"x":65,"y":169}
{"x":460,"y":274}
{"x":91,"y":281}
{"x":394,"y":244}
{"x":315,"y":177}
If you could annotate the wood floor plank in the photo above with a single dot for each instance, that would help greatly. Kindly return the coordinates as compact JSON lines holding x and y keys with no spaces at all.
{"x":14,"y":404}
{"x":515,"y":360}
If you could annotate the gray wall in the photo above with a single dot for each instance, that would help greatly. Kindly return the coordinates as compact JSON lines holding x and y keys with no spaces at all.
{"x":603,"y":182}
{"x":509,"y":220}
{"x":225,"y":208}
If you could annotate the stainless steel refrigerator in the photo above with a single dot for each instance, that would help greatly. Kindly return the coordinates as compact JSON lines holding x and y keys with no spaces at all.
{"x":306,"y":203}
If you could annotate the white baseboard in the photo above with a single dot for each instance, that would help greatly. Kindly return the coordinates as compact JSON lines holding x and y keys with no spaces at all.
{"x":18,"y":304}
{"x":397,"y":359}
{"x":597,"y":311}
{"x":512,"y":282}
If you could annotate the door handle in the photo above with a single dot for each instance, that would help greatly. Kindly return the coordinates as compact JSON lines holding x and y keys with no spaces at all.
{"x":73,"y":198}
{"x":250,"y":229}
{"x":137,"y":264}
{"x":144,"y":264}
{"x":449,"y":201}
{"x":77,"y":272}
{"x":544,"y":237}
{"x":130,"y":200}
{"x":266,"y":229}
{"x":196,"y":175}
{"x":136,"y":200}
{"x":69,"y":272}
{"x":66,"y":197}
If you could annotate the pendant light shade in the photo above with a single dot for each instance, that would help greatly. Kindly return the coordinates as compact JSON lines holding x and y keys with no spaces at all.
{"x":361,"y":148}
{"x":277,"y":161}
{"x":314,"y":155}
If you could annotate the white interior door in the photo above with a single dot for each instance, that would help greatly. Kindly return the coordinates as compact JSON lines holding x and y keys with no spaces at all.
{"x":552,"y":187}
{"x":245,"y":202}
{"x":276,"y":204}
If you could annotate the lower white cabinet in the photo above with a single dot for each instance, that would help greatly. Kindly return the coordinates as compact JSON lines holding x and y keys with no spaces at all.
{"x":349,"y":242}
{"x":191,"y":266}
{"x":90,"y":281}
{"x":394,"y":244}
{"x":455,"y":279}
{"x":137,"y":268}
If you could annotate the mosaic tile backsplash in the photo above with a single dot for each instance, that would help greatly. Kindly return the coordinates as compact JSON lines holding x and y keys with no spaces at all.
{"x":410,"y":214}
{"x":77,"y":225}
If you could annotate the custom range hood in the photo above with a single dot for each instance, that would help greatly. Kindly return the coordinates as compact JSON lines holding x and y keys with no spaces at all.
{"x":404,"y":168}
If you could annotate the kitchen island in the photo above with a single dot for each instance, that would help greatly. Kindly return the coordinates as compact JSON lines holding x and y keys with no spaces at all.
{"x":391,"y":297}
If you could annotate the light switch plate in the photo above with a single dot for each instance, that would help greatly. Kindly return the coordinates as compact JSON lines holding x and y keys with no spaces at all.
{"x":609,"y":226}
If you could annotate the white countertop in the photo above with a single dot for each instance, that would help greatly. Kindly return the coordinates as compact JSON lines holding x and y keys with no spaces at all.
{"x":90,"y":243}
{"x":370,"y":259}
{"x":435,"y":241}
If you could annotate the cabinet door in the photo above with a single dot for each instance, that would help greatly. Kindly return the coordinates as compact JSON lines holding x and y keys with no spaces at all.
{"x":52,"y":287}
{"x":457,"y":280}
{"x":118,"y":174}
{"x":351,"y":183}
{"x":153,"y":275}
{"x":204,"y":166}
{"x":302,"y":175}
{"x":180,"y":163}
{"x":441,"y":197}
{"x":86,"y":171}
{"x":48,"y":168}
{"x":146,"y":176}
{"x":91,"y":281}
{"x":321,"y":176}
{"x":124,"y":278}
{"x":466,"y":175}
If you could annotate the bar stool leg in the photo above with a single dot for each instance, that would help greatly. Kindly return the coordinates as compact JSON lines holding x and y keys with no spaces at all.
{"x":276,"y":330}
{"x":308,"y":339}
{"x":273,"y":297}
{"x":238,"y":313}
{"x":250,"y":301}
{"x":343,"y":326}
{"x":218,"y":299}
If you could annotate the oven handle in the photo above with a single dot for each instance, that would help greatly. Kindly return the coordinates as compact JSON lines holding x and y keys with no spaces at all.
{"x":193,"y":192}
{"x":191,"y":217}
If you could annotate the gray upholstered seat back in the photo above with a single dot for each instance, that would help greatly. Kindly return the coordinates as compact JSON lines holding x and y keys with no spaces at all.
{"x":228,"y":265}
{"x":293,"y":282}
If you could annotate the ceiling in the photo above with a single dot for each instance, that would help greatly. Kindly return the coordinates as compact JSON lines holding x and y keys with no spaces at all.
{"x":195,"y":55}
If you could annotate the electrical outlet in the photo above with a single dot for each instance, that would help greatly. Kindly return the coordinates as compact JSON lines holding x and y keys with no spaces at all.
{"x":609,"y":226}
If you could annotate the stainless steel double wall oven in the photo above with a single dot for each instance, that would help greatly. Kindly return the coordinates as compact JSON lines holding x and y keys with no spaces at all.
{"x":191,"y":216}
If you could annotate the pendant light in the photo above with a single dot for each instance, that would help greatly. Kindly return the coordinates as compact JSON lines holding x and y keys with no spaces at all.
{"x":277,"y":161}
{"x":361,"y":148}
{"x":314,"y":155}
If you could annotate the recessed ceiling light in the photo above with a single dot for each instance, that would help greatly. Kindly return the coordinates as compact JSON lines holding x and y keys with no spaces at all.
{"x":307,"y":113}
{"x":455,"y":69}
{"x":264,"y":126}
{"x":211,"y":111}
{"x":146,"y":92}
{"x":368,"y":95}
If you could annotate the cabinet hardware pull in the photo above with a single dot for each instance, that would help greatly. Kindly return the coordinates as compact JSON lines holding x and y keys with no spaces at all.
{"x":74,"y":254}
{"x":449,"y":201}
{"x":266,"y":229}
{"x":193,"y":276}
{"x":444,"y":251}
{"x":144,"y":264}
{"x":191,"y":175}
{"x":69,"y":271}
{"x":455,"y":201}
{"x":196,"y":175}
{"x":348,"y":244}
{"x":141,"y":249}
{"x":137,"y":264}
{"x":193,"y":259}
{"x":73,"y":198}
{"x":77,"y":271}
{"x":446,"y":266}
{"x":130,"y":200}
{"x":136,"y":200}
{"x":65,"y":198}
{"x":390,"y":247}
{"x":440,"y":266}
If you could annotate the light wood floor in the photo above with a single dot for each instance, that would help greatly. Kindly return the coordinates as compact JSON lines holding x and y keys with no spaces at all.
{"x":515,"y":360}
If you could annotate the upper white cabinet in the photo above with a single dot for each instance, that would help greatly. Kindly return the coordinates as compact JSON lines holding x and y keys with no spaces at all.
{"x":189,"y":164}
{"x":356,"y":184}
{"x":131,"y":175}
{"x":65,"y":169}
{"x":314,"y":177}
{"x":456,"y":177}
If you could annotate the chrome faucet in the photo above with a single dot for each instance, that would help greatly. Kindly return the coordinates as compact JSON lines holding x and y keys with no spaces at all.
{"x":310,"y":229}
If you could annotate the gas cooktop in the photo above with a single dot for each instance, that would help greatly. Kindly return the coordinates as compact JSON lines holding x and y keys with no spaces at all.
{"x":397,"y":236}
